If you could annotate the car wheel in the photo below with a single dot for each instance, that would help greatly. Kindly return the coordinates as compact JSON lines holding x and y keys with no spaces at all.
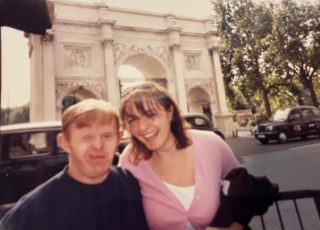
{"x":282,"y":138}
{"x":264,"y":142}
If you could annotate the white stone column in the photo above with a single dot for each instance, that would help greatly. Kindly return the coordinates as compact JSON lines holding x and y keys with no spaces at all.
{"x":213,"y":43}
{"x":219,"y":81}
{"x":36,"y":78}
{"x":112,"y":81}
{"x":49,"y":96}
{"x":174,"y":42}
{"x":224,"y":116}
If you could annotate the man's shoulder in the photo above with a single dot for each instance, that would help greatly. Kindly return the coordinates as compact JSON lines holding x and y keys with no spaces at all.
{"x":48,"y":185}
{"x":29,"y":207}
{"x":121,"y":173}
{"x":124,"y":180}
{"x":38,"y":194}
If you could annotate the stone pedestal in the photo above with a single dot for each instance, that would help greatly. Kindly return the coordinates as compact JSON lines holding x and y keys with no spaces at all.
{"x":225,"y":123}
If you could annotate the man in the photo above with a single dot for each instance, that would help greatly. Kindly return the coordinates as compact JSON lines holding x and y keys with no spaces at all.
{"x":89,"y":193}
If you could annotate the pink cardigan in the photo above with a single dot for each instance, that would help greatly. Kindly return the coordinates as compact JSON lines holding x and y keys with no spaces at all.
{"x":213,"y":160}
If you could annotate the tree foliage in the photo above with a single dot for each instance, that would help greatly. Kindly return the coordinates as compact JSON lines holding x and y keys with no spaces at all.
{"x":296,"y":30}
{"x":269,"y":52}
{"x":15,"y":115}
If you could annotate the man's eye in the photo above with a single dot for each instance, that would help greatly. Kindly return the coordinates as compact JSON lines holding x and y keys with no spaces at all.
{"x":106,"y":136}
{"x":87,"y":138}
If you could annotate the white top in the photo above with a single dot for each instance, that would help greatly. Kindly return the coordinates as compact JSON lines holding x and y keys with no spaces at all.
{"x":184,"y":195}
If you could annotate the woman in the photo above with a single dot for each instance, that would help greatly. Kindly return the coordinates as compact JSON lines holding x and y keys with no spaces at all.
{"x":179,"y":169}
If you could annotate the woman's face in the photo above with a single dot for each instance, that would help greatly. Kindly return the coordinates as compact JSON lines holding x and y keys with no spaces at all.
{"x":152,"y":128}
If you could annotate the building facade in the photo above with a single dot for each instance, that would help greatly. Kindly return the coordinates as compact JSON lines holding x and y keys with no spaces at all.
{"x":82,"y":55}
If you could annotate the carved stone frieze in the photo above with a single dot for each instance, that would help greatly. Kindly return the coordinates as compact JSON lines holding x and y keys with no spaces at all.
{"x":191,"y":36}
{"x":96,"y":87}
{"x":48,"y":37}
{"x":75,"y":57}
{"x":192,"y":61}
{"x":213,"y":42}
{"x":104,"y":12}
{"x":210,"y":25}
{"x":203,"y":83}
{"x":215,"y":50}
{"x":160,"y":51}
{"x":171,"y":20}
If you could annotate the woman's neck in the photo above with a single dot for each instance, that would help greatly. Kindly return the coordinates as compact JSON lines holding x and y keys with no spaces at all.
{"x":168,"y":149}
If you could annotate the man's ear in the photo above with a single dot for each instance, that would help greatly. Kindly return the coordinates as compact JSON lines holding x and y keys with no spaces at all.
{"x":63,"y":142}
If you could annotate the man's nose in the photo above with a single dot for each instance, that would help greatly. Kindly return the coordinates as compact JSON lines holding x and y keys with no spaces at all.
{"x":97,"y":143}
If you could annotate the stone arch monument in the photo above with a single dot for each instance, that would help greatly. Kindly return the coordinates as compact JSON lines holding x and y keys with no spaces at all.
{"x":88,"y":43}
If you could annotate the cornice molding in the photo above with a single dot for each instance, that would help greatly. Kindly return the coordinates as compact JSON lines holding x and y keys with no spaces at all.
{"x":161,"y":52}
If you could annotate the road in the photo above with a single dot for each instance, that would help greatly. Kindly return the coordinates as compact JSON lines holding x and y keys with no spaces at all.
{"x":293,"y":166}
{"x":248,"y":145}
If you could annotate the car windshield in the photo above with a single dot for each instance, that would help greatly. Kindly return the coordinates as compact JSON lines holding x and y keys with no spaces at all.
{"x":280,"y":115}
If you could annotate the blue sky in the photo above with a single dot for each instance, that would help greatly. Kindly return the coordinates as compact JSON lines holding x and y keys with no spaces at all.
{"x":15,"y":62}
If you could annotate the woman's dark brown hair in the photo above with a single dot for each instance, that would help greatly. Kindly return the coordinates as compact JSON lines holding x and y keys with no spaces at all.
{"x":154,"y":96}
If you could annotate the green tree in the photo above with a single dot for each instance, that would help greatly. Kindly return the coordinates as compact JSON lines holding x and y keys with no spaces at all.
{"x":270,"y":52}
{"x":295,"y":44}
{"x":245,"y":28}
{"x":19,"y":114}
{"x":229,"y":41}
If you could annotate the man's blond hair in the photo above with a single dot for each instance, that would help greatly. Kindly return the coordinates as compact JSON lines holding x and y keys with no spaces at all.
{"x":87,"y":112}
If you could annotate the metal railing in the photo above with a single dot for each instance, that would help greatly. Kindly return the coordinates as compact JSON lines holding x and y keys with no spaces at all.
{"x":292,"y":210}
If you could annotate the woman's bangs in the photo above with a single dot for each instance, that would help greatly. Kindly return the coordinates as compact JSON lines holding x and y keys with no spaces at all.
{"x":148,"y":104}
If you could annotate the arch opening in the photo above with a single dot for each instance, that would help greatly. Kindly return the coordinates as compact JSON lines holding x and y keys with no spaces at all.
{"x":199,"y":101}
{"x":75,"y":96}
{"x":139,"y":68}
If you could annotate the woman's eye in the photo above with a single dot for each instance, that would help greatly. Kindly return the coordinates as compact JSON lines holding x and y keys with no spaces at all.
{"x":150,"y":114}
{"x":131,"y":120}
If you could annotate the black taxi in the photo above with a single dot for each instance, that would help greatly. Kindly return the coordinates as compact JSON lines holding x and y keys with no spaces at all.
{"x":300,"y":121}
{"x":29,"y":155}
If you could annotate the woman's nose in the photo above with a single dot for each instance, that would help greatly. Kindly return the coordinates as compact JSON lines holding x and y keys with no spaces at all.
{"x":143,"y":124}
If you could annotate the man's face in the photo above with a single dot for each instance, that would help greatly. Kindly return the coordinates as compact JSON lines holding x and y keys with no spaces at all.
{"x":91,"y":150}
